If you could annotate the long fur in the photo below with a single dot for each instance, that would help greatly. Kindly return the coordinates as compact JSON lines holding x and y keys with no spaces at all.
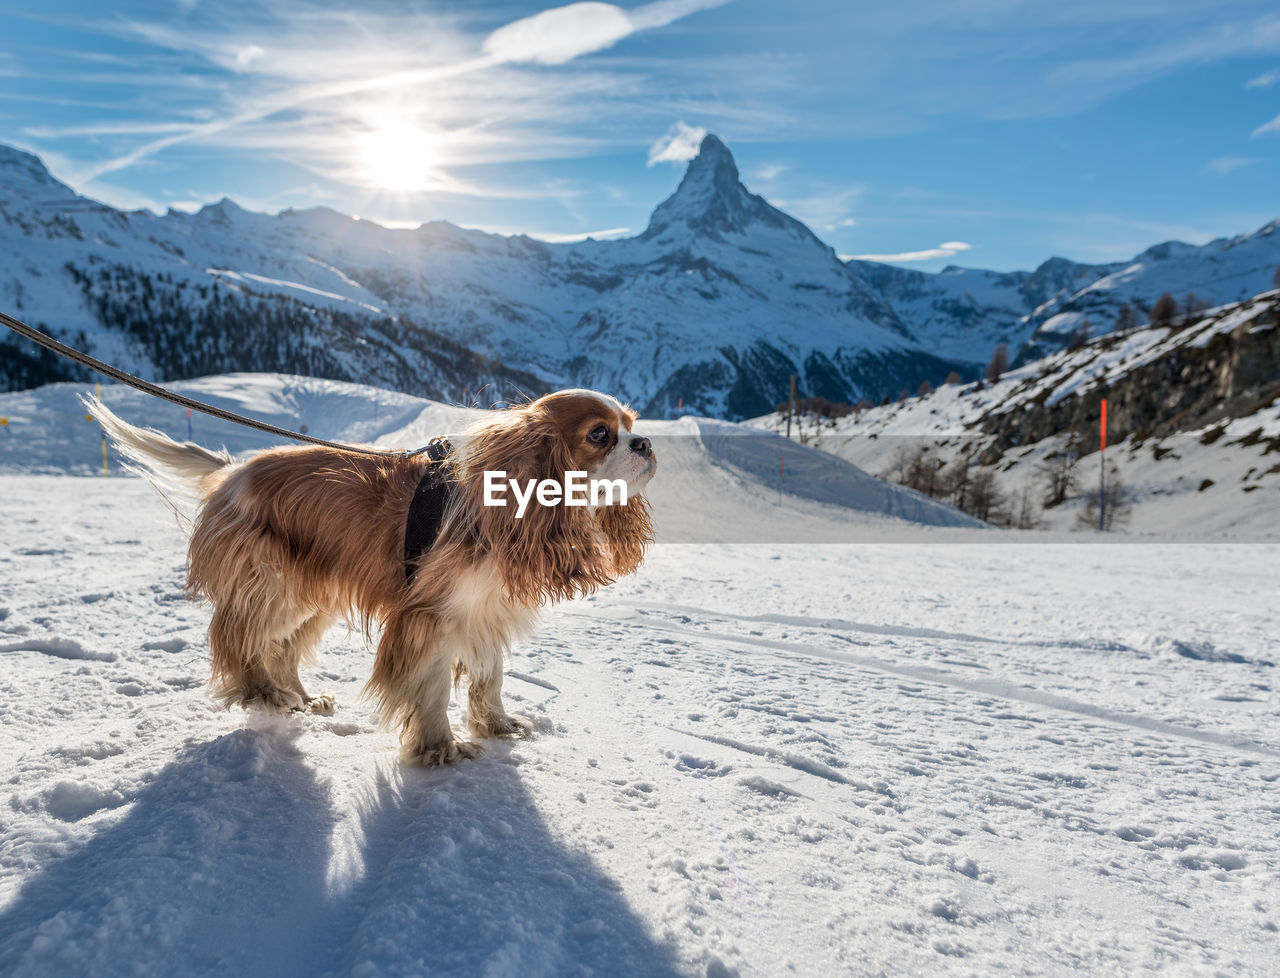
{"x":292,"y":538}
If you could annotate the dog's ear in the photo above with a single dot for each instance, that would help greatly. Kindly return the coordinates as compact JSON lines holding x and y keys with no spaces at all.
{"x":551,"y":552}
{"x":628,"y":531}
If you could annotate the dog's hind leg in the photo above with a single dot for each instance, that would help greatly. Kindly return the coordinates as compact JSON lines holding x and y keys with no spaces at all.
{"x":300,"y":647}
{"x":241,"y":648}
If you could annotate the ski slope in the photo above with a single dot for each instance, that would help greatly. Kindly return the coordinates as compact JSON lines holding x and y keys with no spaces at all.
{"x":949,"y":756}
{"x":715,"y":475}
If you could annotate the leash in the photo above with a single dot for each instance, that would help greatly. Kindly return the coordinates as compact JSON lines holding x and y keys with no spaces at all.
{"x":49,"y":343}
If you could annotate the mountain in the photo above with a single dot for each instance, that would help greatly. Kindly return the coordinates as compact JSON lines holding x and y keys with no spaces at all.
{"x":1224,"y":270}
{"x":1193,"y":425}
{"x":710,"y":310}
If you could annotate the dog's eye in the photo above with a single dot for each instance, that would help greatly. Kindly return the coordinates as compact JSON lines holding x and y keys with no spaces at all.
{"x":599,"y":434}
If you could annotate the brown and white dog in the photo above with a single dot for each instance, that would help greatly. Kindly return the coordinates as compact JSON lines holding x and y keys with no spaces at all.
{"x":291,"y":538}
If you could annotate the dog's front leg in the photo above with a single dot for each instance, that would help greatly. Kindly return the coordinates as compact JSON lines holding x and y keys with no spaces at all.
{"x":486,"y":716}
{"x":412,"y":676}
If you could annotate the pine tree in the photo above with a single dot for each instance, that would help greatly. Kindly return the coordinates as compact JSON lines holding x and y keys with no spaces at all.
{"x":1192,"y":307}
{"x":999,"y":363}
{"x":1058,"y":472}
{"x":1165,"y":311}
{"x":1080,"y":335}
{"x":1126,"y":319}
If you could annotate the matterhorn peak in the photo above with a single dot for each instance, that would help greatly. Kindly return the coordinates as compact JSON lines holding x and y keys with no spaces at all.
{"x":711,"y":198}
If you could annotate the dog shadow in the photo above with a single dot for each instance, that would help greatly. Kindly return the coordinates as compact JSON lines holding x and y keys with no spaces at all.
{"x":237,"y":859}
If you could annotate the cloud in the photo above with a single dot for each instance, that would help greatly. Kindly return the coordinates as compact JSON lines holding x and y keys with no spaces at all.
{"x":944,"y":250}
{"x":561,"y":34}
{"x":551,"y":37}
{"x":827,"y":207}
{"x":1220,"y":166}
{"x":679,"y":144}
{"x":1227,"y":39}
{"x":1266,"y":127}
{"x":551,"y":237}
{"x":247,"y":55}
{"x":1264,"y":80}
{"x":769,"y":171}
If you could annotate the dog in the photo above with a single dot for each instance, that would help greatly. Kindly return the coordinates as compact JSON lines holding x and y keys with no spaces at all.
{"x":292,"y":538}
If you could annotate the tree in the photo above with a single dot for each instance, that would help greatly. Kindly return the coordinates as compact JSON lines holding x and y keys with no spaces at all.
{"x":955,"y":378}
{"x":1058,"y":475}
{"x":1192,"y":307}
{"x":1119,"y":504}
{"x":1127,"y":318}
{"x":1080,"y":335}
{"x":1275,"y":279}
{"x":1024,"y":514}
{"x":924,"y":389}
{"x":999,"y":363}
{"x":986,"y":501}
{"x":1165,"y":311}
{"x":956,"y":482}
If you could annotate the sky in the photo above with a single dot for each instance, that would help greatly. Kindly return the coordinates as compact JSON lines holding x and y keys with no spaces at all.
{"x":987,"y":133}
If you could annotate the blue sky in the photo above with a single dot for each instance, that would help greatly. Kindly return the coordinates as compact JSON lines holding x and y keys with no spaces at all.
{"x":1005,"y":130}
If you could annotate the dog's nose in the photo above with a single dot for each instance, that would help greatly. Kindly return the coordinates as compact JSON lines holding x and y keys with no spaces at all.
{"x":642,"y":446}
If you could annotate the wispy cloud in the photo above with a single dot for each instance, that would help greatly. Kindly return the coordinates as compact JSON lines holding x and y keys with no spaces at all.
{"x":1264,"y":80}
{"x":679,"y":144}
{"x":824,"y":207}
{"x":944,"y":250}
{"x":551,"y":237}
{"x":551,"y":37}
{"x":1220,"y":166}
{"x":1222,"y":40}
{"x":1267,"y":127}
{"x":769,"y":172}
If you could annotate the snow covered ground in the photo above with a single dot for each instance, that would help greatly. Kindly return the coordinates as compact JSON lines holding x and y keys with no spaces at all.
{"x":954,"y":756}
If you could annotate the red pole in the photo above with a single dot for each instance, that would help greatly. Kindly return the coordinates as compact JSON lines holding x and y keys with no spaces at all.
{"x":1102,"y":476}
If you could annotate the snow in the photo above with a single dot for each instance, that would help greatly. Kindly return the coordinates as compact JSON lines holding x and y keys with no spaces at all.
{"x":750,"y":759}
{"x":1211,"y":483}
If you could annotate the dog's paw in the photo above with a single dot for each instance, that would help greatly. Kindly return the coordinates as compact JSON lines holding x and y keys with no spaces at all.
{"x":436,"y":756}
{"x":323,"y":704}
{"x":507,"y":725}
{"x":270,"y":699}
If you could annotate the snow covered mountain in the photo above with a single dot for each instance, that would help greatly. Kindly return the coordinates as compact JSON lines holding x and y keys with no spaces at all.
{"x":1193,"y":425}
{"x":1222,"y":271}
{"x":711,"y":309}
{"x":713,"y":306}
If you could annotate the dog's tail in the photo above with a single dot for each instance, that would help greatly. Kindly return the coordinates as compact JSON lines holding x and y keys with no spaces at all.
{"x":173,"y":468}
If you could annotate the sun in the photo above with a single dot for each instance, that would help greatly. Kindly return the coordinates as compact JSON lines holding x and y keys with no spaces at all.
{"x":397,"y":157}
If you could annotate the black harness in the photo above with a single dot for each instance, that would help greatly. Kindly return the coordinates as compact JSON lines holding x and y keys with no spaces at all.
{"x":426,"y":511}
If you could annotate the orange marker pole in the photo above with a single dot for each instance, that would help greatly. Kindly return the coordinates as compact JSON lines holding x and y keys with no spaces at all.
{"x":1102,"y":475}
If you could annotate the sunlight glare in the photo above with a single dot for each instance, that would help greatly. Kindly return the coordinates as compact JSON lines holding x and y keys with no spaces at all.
{"x":397,"y":157}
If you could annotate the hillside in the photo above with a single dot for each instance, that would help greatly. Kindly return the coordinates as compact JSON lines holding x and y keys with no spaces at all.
{"x":1193,"y":423}
{"x":711,"y":309}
